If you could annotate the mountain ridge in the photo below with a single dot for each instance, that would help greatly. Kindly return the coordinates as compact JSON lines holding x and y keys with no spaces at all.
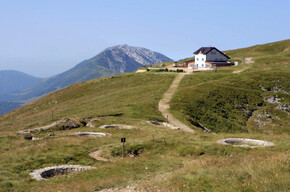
{"x":111,"y":61}
{"x":12,"y":81}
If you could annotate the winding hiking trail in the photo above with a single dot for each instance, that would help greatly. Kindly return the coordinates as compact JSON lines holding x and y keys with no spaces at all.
{"x":164,"y":106}
{"x":97,"y":155}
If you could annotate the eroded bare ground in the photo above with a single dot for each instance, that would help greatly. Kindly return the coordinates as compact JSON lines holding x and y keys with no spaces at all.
{"x":164,"y":106}
{"x":247,"y":60}
{"x":239,"y":71}
{"x":98,"y":155}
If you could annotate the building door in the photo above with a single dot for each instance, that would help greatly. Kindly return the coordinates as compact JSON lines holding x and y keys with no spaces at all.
{"x":196,"y":66}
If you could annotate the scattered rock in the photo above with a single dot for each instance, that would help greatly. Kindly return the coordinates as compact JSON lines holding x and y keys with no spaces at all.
{"x":283,"y":107}
{"x":275,"y":89}
{"x":263,"y":119}
{"x":199,"y":125}
{"x":48,"y":172}
{"x":68,"y":124}
{"x":120,"y":126}
{"x":242,"y":142}
{"x":264,"y":89}
{"x":92,"y":123}
{"x":273,"y":99}
{"x":170,"y":126}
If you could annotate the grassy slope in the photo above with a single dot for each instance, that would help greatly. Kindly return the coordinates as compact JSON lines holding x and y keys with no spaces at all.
{"x":174,"y":161}
{"x":228,"y":102}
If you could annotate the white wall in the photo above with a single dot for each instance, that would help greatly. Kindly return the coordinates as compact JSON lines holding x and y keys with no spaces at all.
{"x":200,"y":60}
{"x":215,"y":55}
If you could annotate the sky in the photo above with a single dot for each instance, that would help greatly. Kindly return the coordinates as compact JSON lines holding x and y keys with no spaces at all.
{"x":44,"y":38}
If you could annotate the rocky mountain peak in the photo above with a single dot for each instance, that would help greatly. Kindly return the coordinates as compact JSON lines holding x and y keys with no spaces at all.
{"x":141,"y":55}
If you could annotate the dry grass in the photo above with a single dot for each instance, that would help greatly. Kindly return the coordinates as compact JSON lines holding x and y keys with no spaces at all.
{"x":173,"y":161}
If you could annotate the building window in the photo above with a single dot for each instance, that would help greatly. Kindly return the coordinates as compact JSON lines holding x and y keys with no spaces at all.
{"x":202,"y":59}
{"x":197,"y":59}
{"x":202,"y":65}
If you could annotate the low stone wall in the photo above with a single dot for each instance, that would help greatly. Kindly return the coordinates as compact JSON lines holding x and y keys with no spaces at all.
{"x":64,"y":124}
{"x":91,"y":134}
{"x":243,"y":142}
{"x":48,"y":172}
{"x":120,"y":126}
{"x":154,"y":122}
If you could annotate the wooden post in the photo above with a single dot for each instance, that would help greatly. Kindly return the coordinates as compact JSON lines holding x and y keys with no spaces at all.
{"x":123,"y":150}
{"x":123,"y":140}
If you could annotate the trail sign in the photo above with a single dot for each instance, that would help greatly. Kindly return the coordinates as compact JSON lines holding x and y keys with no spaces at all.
{"x":123,"y":140}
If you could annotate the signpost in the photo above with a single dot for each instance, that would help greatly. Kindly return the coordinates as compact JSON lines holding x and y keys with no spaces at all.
{"x":123,"y":140}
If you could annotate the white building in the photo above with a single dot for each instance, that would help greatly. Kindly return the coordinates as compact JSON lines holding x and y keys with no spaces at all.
{"x":208,"y":58}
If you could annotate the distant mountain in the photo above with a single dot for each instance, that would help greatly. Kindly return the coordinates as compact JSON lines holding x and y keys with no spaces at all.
{"x":111,"y":61}
{"x":15,"y":81}
{"x":8,"y":106}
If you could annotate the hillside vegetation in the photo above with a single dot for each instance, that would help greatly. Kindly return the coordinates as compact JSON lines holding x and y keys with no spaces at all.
{"x":250,"y":104}
{"x":237,"y":102}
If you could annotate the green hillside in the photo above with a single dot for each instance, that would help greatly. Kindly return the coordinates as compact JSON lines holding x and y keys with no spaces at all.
{"x":229,"y":103}
{"x":233,"y":102}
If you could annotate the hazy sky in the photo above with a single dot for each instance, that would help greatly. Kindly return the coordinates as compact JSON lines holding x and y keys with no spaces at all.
{"x":46,"y":37}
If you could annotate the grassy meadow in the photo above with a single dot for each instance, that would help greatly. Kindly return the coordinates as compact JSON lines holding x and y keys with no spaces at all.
{"x":230,"y":104}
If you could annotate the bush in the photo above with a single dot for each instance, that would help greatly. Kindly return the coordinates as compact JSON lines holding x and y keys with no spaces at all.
{"x":179,"y":70}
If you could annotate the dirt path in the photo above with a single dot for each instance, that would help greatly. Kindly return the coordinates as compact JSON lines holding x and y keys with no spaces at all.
{"x":239,"y":71}
{"x":151,"y":184}
{"x":97,"y":155}
{"x":248,"y":60}
{"x":164,"y":104}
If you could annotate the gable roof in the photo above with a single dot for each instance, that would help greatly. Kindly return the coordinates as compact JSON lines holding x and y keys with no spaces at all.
{"x":205,"y":50}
